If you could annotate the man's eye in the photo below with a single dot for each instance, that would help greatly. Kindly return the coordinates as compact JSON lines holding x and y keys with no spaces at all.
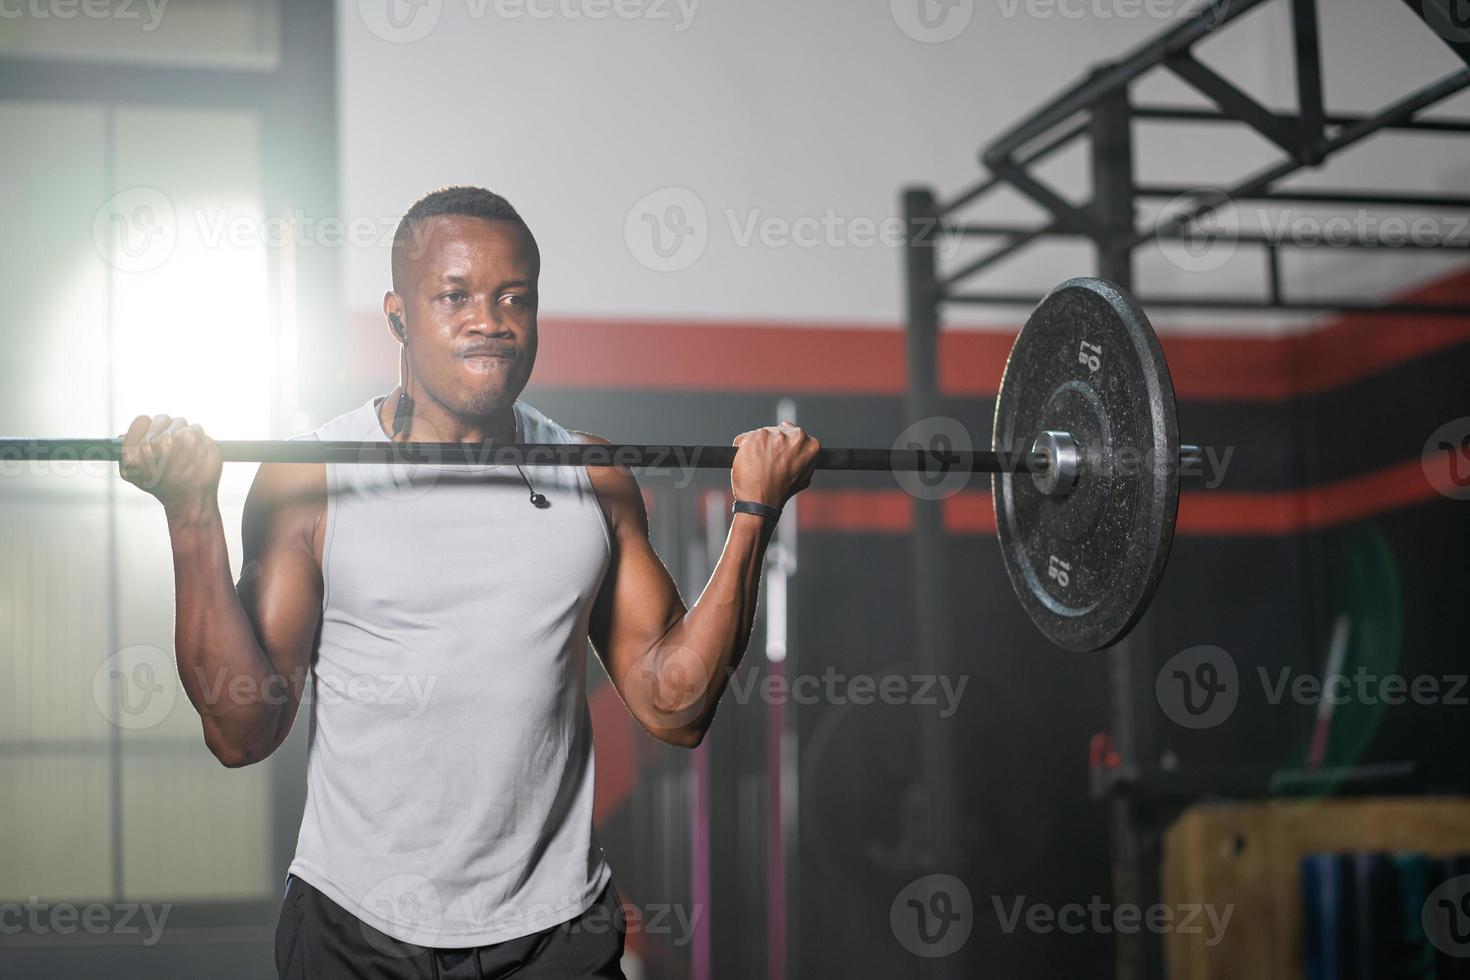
{"x":514,"y":299}
{"x":454,"y":296}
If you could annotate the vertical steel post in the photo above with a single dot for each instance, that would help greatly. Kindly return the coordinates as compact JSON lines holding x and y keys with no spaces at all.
{"x":299,"y":164}
{"x":930,"y":581}
{"x":781,"y":755}
{"x":1134,"y":835}
{"x":1308,"y":56}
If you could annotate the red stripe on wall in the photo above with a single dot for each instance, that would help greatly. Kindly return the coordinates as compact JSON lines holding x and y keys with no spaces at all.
{"x":1360,"y":348}
{"x":804,"y":357}
{"x":718,"y":356}
{"x":1201,"y":512}
{"x":879,"y":511}
{"x":1340,"y":351}
{"x":970,"y":513}
{"x":800,"y":357}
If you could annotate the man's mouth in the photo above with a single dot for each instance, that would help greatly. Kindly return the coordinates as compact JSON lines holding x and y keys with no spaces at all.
{"x":486,"y":355}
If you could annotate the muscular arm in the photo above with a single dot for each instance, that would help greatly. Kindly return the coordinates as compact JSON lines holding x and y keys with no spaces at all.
{"x":243,"y":651}
{"x":670,"y":664}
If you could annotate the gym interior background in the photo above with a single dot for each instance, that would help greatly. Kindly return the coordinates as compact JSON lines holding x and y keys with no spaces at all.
{"x":198,"y":199}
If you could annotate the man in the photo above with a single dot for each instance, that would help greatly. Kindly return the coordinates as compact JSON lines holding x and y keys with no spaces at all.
{"x":449,"y":833}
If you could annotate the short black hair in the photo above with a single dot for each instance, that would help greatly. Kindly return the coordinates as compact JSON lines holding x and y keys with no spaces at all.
{"x":458,"y":201}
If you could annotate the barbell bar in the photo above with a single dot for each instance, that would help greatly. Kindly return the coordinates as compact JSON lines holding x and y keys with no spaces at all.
{"x":635,"y":456}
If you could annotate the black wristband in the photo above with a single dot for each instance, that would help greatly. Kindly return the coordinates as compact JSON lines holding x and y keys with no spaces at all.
{"x":758,"y":509}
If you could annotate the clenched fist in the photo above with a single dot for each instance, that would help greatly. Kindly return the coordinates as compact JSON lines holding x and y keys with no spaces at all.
{"x":773,"y":463}
{"x":171,"y":459}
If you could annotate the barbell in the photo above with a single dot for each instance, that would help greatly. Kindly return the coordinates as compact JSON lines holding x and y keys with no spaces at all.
{"x":1085,"y":462}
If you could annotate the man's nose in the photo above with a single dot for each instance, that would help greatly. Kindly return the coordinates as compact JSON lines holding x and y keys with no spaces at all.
{"x":490,"y":321}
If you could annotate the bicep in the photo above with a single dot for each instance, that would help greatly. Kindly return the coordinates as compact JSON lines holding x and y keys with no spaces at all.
{"x":639,"y":602}
{"x":280,"y":583}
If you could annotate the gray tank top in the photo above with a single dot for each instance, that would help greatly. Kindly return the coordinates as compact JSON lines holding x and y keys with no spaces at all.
{"x":449,"y":762}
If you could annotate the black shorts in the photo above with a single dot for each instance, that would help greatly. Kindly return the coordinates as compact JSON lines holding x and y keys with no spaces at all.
{"x":317,"y":938}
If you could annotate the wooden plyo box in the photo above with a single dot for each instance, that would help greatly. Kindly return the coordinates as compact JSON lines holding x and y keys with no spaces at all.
{"x":1249,"y":856}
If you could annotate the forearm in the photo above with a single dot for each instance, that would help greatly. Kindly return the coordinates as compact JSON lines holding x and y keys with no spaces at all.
{"x":694,"y":660}
{"x":226,"y":674}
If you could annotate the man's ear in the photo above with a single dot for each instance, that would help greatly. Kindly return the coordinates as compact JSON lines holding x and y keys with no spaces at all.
{"x":393,"y":310}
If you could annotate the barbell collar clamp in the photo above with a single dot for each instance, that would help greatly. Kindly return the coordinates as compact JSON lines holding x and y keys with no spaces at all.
{"x":1063,"y":460}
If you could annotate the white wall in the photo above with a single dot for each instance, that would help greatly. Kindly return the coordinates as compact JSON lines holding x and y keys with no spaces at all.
{"x":780,"y":110}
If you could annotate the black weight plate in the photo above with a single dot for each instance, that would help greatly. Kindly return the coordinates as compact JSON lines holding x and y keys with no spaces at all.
{"x":1085,"y":564}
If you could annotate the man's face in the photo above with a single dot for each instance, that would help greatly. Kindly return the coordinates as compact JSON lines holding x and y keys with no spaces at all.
{"x":469,"y":305}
